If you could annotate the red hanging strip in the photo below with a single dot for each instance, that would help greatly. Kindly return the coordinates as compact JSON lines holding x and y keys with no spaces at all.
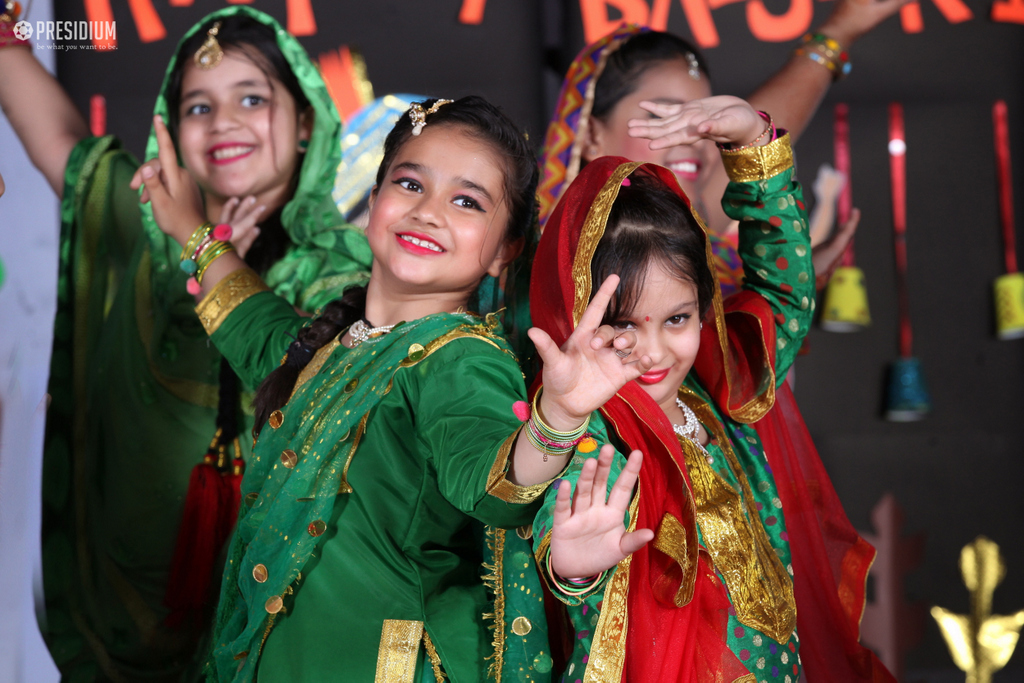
{"x":841,"y":145}
{"x":898,"y":177}
{"x":1005,"y":185}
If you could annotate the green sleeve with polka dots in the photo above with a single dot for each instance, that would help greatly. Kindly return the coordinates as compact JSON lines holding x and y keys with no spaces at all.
{"x":776,"y":252}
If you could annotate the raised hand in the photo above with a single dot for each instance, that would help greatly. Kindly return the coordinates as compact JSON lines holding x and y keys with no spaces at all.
{"x":826,"y":255}
{"x":241,"y":215}
{"x":593,"y":364}
{"x":170,"y":189}
{"x":589,"y":535}
{"x":851,"y":19}
{"x":723,"y":118}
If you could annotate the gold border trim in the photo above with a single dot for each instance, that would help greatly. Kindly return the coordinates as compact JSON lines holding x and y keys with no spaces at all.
{"x":495,"y":580}
{"x":399,"y":650}
{"x":593,"y":231}
{"x":498,"y":484}
{"x":758,"y":163}
{"x":608,"y":647}
{"x":227,"y":296}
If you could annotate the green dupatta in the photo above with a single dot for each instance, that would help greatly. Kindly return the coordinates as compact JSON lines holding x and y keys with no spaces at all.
{"x":134,"y":383}
{"x":285,"y":509}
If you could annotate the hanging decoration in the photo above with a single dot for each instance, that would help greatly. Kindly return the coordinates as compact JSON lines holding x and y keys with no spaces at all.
{"x":846,"y":299}
{"x":1009,"y":287}
{"x":980,"y":643}
{"x":907,"y":398}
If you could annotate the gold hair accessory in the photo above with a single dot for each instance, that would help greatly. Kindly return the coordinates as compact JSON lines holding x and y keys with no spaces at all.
{"x":693,"y":66}
{"x":209,"y":53}
{"x":419,"y":117}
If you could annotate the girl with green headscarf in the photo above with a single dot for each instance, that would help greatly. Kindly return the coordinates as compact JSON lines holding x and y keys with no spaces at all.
{"x":138,"y":391}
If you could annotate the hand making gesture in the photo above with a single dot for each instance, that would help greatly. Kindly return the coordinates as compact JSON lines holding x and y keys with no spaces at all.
{"x":723,"y":118}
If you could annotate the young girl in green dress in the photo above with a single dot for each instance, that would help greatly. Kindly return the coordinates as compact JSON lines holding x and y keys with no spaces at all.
{"x":394,"y":420}
{"x":138,"y":391}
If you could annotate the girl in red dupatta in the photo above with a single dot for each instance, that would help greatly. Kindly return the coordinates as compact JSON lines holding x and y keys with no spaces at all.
{"x":749,"y":542}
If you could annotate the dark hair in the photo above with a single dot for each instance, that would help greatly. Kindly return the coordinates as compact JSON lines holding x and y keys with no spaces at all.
{"x":474,"y":116}
{"x":649,"y":223}
{"x":257,"y":42}
{"x":624,"y":67}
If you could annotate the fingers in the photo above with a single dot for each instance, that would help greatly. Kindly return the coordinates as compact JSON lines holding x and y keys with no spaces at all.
{"x":634,"y":540}
{"x":563,"y":502}
{"x":227,"y":211}
{"x":604,"y":336}
{"x":584,"y":487}
{"x":604,"y":468}
{"x":546,"y":347}
{"x":622,"y":490}
{"x":155,"y":188}
{"x":591,"y":318}
{"x":167,"y":155}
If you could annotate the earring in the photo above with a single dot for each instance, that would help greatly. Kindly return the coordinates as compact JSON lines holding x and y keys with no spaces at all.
{"x":303,"y":146}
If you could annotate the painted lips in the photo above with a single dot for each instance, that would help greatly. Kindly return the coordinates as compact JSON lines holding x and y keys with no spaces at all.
{"x":653,"y":376}
{"x":228,"y":152}
{"x":687,"y":169}
{"x":419,"y":244}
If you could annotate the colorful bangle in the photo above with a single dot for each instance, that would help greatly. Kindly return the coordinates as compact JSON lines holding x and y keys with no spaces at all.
{"x":210,"y":254}
{"x":9,"y":14}
{"x":827,"y":52}
{"x":191,"y":249}
{"x":550,"y":441}
{"x":572,"y":587}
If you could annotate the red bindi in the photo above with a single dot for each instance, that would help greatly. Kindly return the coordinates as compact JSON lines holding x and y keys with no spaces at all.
{"x":647,"y":318}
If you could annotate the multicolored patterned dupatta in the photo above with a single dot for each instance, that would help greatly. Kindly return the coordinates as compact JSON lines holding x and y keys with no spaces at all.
{"x":563,"y":143}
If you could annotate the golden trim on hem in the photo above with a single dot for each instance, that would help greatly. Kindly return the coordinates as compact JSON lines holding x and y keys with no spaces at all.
{"x":608,"y":647}
{"x":227,"y":296}
{"x":435,"y":660}
{"x":758,"y":163}
{"x":399,"y":650}
{"x":494,"y":580}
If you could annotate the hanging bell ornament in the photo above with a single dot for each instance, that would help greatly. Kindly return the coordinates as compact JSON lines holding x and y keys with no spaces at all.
{"x":907,"y":398}
{"x":846,"y":301}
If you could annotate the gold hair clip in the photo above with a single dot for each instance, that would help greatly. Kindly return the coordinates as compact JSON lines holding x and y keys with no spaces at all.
{"x":209,"y":53}
{"x":694,"y":66}
{"x":419,"y":117}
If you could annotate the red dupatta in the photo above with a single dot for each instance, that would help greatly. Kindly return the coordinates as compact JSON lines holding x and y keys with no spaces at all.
{"x":664,"y":614}
{"x":643,"y":634}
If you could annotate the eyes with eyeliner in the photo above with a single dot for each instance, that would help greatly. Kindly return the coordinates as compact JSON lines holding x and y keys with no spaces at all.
{"x":248,"y":101}
{"x":462,"y":201}
{"x":675,"y":321}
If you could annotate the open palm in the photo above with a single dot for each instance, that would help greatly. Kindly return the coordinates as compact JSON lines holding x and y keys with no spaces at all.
{"x":589,"y":534}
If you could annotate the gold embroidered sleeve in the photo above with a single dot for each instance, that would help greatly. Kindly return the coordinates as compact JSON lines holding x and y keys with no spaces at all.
{"x":226,"y":296}
{"x":498,"y":484}
{"x":758,"y":163}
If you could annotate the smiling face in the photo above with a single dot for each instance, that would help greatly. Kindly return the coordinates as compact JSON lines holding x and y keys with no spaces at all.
{"x":239,"y":131}
{"x":438,"y":219}
{"x":666,"y":322}
{"x":666,"y":82}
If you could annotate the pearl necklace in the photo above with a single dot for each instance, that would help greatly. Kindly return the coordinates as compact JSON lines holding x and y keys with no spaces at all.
{"x":361,"y":331}
{"x":691,"y":430}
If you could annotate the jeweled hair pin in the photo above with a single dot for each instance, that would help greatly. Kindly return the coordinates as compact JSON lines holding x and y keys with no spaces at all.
{"x":418,"y":115}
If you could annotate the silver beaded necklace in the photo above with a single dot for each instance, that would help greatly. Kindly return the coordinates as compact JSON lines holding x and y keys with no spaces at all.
{"x":360,"y":332}
{"x":691,"y":430}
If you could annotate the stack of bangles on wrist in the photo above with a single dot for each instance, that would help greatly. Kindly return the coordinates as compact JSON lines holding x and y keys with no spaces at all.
{"x":550,"y":441}
{"x":768,"y":128}
{"x":573,"y":587}
{"x":825,"y":51}
{"x":9,"y":13}
{"x":206,"y":245}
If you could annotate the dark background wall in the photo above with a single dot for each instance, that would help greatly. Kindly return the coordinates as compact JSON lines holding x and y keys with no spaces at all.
{"x":957,"y":474}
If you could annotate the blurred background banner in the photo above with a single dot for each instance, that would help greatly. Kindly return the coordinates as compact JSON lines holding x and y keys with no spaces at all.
{"x":957,"y":473}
